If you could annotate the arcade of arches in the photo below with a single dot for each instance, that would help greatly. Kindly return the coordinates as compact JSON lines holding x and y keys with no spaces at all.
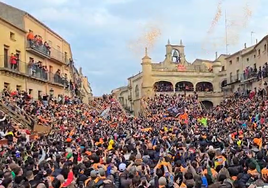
{"x":165,"y":86}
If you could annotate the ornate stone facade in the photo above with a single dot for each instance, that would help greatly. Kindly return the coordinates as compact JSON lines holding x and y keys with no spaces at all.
{"x":174,"y":75}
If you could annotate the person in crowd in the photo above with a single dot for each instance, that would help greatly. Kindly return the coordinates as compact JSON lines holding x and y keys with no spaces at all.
{"x":176,"y":143}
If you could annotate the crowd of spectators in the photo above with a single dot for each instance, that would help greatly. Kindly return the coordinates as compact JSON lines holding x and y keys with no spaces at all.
{"x":163,"y":87}
{"x":204,"y":87}
{"x":176,"y":144}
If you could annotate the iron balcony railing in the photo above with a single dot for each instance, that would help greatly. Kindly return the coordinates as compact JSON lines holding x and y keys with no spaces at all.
{"x":59,"y":56}
{"x":41,"y":48}
{"x":34,"y":70}
{"x":49,"y":51}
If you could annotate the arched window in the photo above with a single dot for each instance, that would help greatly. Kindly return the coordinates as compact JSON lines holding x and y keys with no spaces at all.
{"x":184,"y":86}
{"x":207,"y":104}
{"x":224,"y":83}
{"x":204,"y":86}
{"x":163,"y":86}
{"x":176,"y":58}
{"x":137,"y":91}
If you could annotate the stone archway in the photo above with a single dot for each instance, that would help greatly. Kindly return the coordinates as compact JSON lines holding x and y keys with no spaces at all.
{"x":184,"y":86}
{"x":163,"y":86}
{"x":204,"y":86}
{"x":207,"y":104}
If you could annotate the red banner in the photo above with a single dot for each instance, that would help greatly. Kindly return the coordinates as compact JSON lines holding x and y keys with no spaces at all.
{"x":181,"y":67}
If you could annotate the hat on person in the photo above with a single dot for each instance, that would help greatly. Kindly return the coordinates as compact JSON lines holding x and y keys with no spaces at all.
{"x":122,"y":167}
{"x":101,"y":172}
{"x":93,"y":174}
{"x":162,"y":181}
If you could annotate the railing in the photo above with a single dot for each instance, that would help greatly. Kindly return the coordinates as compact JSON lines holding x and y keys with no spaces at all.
{"x":234,"y":79}
{"x":58,"y":55}
{"x":17,"y":117}
{"x":33,"y":70}
{"x":38,"y":47}
{"x":249,"y":75}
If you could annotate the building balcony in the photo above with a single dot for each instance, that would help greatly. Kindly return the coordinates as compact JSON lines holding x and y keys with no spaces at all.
{"x":12,"y":66}
{"x":58,"y":79}
{"x":234,"y":79}
{"x":38,"y":50}
{"x":33,"y":71}
{"x":58,"y":57}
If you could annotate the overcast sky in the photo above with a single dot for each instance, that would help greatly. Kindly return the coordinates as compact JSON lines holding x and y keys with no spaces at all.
{"x":106,"y":35}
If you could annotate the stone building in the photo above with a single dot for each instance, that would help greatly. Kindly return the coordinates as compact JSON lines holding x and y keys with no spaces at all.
{"x":175,"y":75}
{"x":33,"y":58}
{"x":247,"y":69}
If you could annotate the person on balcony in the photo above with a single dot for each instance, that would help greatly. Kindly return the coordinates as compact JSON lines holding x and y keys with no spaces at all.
{"x":13,"y":61}
{"x":31,"y":66}
{"x":57,"y":76}
{"x":30,"y":38}
{"x":47,"y":48}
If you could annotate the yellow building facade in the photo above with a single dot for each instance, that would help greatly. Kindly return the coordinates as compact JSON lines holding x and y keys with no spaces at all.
{"x":247,"y":69}
{"x":33,"y":58}
{"x":174,"y":75}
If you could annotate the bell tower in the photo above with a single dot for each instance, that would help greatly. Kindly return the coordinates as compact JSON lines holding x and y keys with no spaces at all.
{"x":147,"y":85}
{"x":175,"y":53}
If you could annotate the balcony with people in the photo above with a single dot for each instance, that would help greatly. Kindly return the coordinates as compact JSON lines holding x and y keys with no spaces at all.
{"x":163,"y":86}
{"x":250,"y":73}
{"x":36,"y":45}
{"x":36,"y":69}
{"x":59,"y":78}
{"x":204,"y":87}
{"x":12,"y":63}
{"x":184,"y":86}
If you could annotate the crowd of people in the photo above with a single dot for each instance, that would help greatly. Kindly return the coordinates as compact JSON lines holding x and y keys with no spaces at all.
{"x":36,"y":42}
{"x":176,"y":143}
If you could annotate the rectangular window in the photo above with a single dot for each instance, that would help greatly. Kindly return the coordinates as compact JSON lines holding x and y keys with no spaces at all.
{"x":259,"y":52}
{"x":230,"y":62}
{"x":265,"y":47}
{"x":30,"y":91}
{"x":39,"y":94}
{"x":58,"y":52}
{"x":65,"y":57}
{"x":223,"y":68}
{"x":6,"y":57}
{"x":237,"y":75}
{"x":6,"y":85}
{"x":247,"y":59}
{"x":237,"y":59}
{"x":12,"y":36}
{"x":231,"y":77}
{"x":18,"y":57}
{"x":18,"y":87}
{"x":50,"y":68}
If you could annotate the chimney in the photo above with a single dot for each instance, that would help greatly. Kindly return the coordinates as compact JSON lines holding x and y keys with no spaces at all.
{"x":216,"y":54}
{"x":245,"y":45}
{"x":256,"y":41}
